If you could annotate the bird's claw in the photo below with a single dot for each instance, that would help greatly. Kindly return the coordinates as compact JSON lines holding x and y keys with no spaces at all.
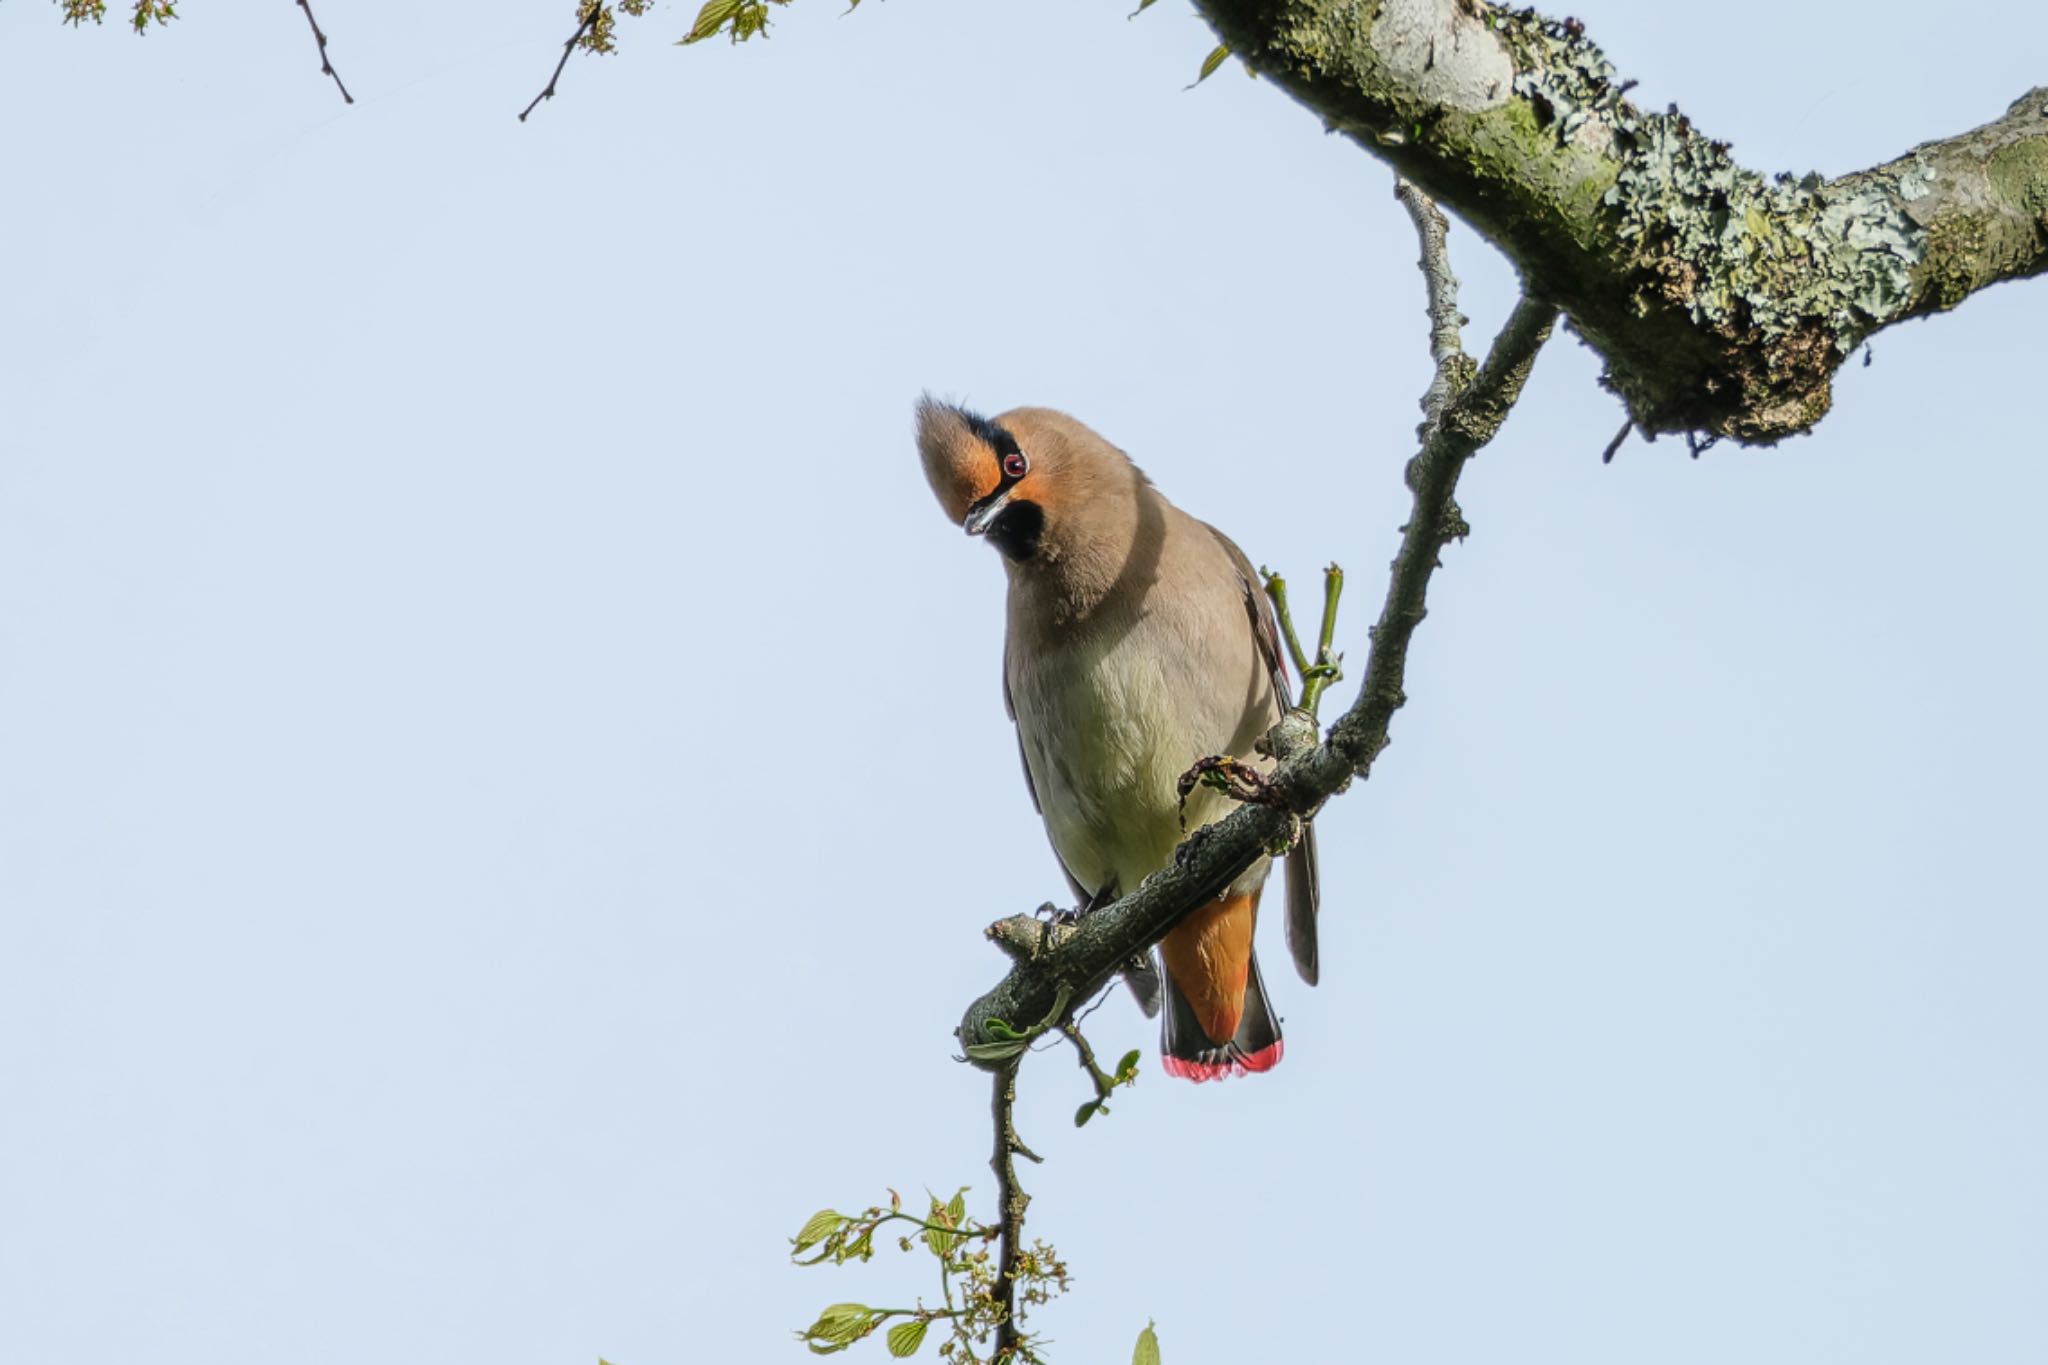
{"x":1058,"y":916}
{"x":1236,"y":779}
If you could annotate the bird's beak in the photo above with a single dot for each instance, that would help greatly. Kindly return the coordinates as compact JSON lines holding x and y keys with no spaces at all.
{"x":979,"y":517}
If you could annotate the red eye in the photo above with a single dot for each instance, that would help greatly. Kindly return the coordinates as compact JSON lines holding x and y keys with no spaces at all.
{"x":1015,"y":465}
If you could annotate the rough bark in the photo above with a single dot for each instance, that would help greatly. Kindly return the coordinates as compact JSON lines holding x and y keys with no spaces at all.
{"x":1722,"y":301}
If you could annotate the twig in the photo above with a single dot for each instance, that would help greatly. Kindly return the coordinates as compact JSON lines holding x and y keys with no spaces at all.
{"x":1276,"y":588}
{"x":591,"y":10}
{"x":1333,"y":588}
{"x":1469,"y":422}
{"x":1105,"y":1084}
{"x":1607,"y":455}
{"x":1011,"y":1201}
{"x":326,"y":67}
{"x":1309,"y":773}
{"x":1446,"y":350}
{"x":1317,"y":675}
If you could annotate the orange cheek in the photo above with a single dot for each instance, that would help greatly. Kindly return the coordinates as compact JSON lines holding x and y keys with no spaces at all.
{"x":1031,"y":488}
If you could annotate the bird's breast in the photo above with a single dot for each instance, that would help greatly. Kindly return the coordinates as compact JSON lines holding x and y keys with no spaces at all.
{"x":1110,"y":719}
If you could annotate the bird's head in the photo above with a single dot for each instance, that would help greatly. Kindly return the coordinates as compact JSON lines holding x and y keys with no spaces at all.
{"x":1021,"y":478}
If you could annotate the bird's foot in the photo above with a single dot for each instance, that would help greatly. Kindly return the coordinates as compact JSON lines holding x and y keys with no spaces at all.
{"x":1235,"y":778}
{"x":1059,"y":916}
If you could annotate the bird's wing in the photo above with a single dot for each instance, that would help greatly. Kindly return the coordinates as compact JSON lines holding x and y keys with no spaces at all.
{"x":1139,"y":973}
{"x":1304,"y":880}
{"x":1265,"y":626}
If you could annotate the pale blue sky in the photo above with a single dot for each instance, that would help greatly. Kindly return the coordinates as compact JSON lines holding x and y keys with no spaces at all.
{"x":502,"y":771}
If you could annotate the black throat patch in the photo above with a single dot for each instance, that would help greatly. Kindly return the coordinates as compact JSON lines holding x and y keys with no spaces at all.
{"x":1016,"y":529}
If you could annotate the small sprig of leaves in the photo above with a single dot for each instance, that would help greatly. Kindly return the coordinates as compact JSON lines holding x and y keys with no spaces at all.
{"x":1009,"y":1042}
{"x":141,"y":15}
{"x":743,"y":19}
{"x":1210,"y":64}
{"x":969,"y":1311}
{"x":1105,"y":1082}
{"x":597,"y":25}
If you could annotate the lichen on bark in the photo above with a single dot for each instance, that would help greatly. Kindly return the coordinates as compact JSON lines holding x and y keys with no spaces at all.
{"x":1722,"y":300}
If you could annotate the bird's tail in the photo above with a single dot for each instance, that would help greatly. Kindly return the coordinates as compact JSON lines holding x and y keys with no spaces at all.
{"x":1213,"y":991}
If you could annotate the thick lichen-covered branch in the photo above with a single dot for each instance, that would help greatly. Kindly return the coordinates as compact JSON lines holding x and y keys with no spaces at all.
{"x":1722,"y":300}
{"x":1071,"y":960}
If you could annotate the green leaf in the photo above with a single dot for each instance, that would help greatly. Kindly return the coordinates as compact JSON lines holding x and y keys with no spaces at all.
{"x":711,"y":19}
{"x":906,"y":1337}
{"x":1087,"y":1112}
{"x":1211,"y":62}
{"x":838,"y":1327}
{"x":861,"y":1247}
{"x":1127,"y":1065}
{"x":840,"y":1317}
{"x":1010,"y":1042}
{"x":1147,"y":1352}
{"x":938,"y":1239}
{"x":1143,"y":5}
{"x":822,"y":1224}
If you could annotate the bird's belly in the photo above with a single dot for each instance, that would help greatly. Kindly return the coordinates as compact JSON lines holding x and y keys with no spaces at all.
{"x":1107,"y":735}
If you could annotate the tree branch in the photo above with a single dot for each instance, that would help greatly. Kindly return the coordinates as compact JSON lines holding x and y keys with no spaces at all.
{"x":1011,"y":1201}
{"x":1446,"y":348}
{"x":1721,"y":301}
{"x":1079,"y":957}
{"x":326,"y":67}
{"x":588,"y":20}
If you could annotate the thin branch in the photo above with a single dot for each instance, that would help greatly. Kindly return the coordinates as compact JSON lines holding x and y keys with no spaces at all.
{"x":1104,"y":1083}
{"x":326,"y":67}
{"x":1011,"y":1201}
{"x":1469,"y":422}
{"x":1446,"y":349}
{"x":1607,"y":455}
{"x":1078,"y":958}
{"x":1319,"y":673}
{"x":1326,"y":635}
{"x":1276,"y":589}
{"x":591,"y":10}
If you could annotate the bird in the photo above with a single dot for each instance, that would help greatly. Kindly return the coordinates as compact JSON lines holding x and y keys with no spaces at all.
{"x":1138,"y":640}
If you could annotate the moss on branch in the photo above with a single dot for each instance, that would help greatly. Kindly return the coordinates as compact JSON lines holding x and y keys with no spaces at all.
{"x":1722,"y":300}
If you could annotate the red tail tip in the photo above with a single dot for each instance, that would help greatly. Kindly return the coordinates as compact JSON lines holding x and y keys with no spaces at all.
{"x":1240,"y":1064}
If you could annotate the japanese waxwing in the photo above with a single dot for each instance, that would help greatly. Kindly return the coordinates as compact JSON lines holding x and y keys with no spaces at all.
{"x":1139,"y":641}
